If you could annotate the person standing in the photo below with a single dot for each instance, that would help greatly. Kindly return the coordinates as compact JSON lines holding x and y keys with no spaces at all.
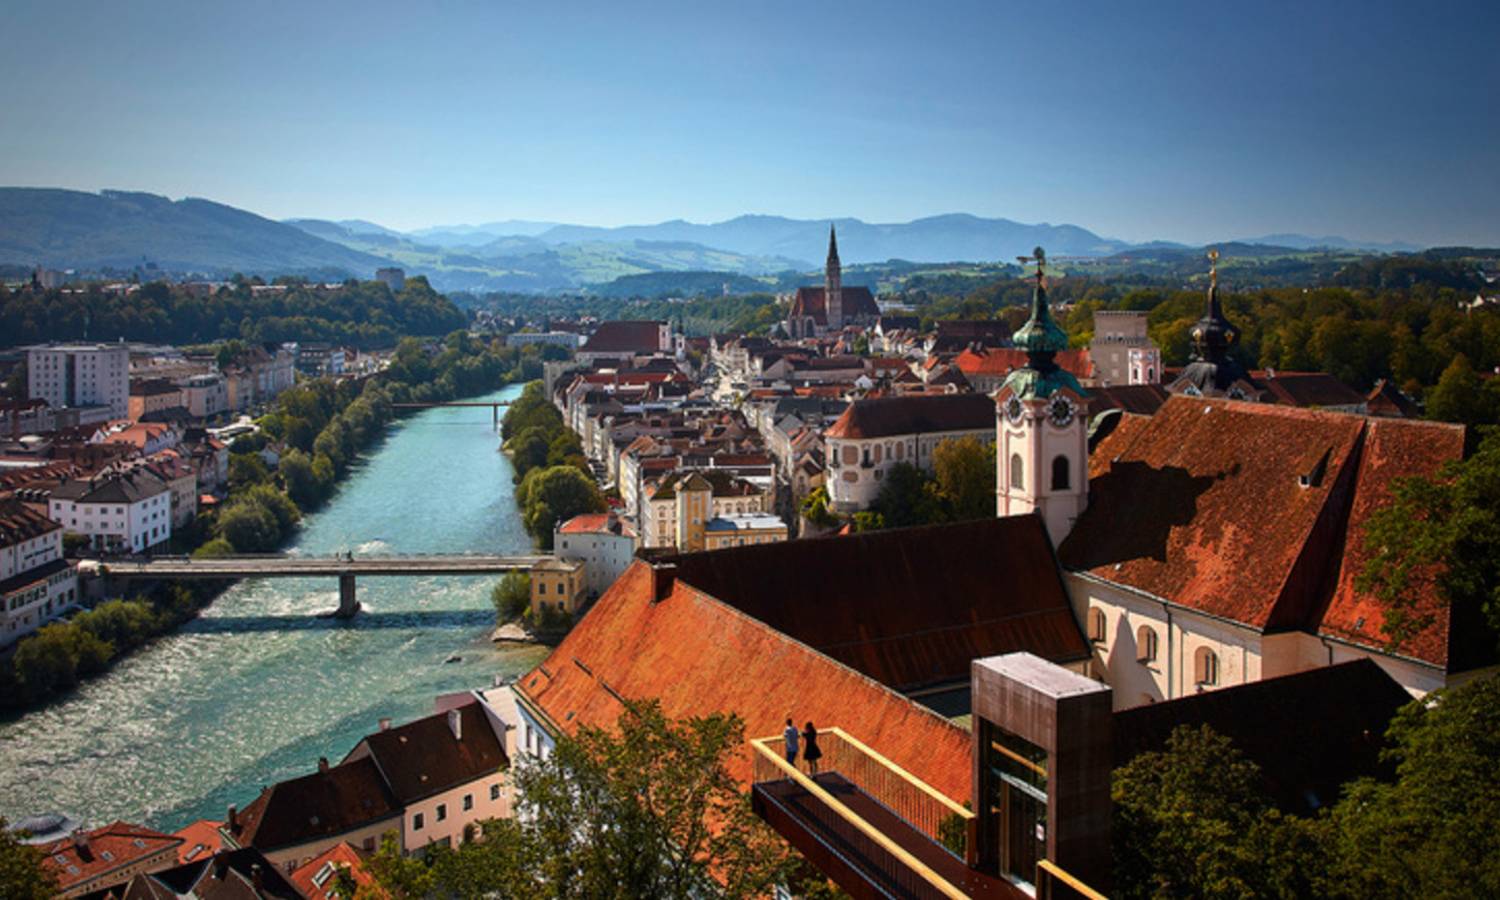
{"x":810,"y":751}
{"x":791,"y":736}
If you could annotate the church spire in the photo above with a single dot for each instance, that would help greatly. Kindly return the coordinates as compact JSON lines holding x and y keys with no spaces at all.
{"x":1042,"y":339}
{"x":1213,"y":334}
{"x":833,"y":281}
{"x":833,"y":249}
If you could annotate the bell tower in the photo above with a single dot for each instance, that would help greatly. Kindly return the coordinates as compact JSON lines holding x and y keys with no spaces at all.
{"x":1041,"y":434}
{"x":833,"y":290}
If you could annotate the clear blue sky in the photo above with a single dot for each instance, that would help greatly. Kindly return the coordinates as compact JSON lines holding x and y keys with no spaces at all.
{"x":1138,"y":120}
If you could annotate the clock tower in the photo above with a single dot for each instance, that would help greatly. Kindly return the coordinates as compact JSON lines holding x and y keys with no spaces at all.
{"x":1041,"y":434}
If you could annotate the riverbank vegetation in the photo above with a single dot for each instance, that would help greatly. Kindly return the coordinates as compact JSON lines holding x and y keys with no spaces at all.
{"x":320,"y":427}
{"x":554,"y":481}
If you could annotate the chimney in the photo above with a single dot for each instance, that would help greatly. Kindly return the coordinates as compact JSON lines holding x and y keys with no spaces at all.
{"x":456,"y":724}
{"x":232,"y":820}
{"x":385,"y":724}
{"x":663,"y":577}
{"x":322,"y":764}
{"x":81,"y":842}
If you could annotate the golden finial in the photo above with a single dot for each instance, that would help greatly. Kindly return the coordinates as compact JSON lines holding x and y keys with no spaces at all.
{"x":1213,"y":266}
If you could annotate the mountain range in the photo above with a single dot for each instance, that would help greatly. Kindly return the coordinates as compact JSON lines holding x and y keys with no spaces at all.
{"x":120,"y":231}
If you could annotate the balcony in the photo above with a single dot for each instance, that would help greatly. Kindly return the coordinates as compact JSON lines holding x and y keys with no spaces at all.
{"x":877,"y":831}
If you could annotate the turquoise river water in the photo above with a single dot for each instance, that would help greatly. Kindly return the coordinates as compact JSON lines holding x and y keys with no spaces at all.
{"x":258,"y":687}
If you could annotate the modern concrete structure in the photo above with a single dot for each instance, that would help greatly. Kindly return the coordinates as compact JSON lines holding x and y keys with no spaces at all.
{"x":81,"y":375}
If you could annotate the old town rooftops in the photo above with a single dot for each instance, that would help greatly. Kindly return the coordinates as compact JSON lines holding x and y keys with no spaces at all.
{"x":698,"y":655}
{"x":1255,"y":513}
{"x":327,"y":802}
{"x":20,"y":523}
{"x":625,"y":337}
{"x":426,"y":757}
{"x":890,"y":416}
{"x":906,"y":607}
{"x":87,"y":855}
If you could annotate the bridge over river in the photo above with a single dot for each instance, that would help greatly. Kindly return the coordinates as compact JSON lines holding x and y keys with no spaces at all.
{"x":345,"y":568}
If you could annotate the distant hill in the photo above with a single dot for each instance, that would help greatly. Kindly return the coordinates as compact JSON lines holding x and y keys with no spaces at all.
{"x":1331,"y":242}
{"x":124,"y":230}
{"x":474,"y":235}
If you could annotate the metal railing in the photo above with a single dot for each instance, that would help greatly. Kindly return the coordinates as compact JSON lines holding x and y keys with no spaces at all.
{"x":921,"y":806}
{"x":1054,"y":882}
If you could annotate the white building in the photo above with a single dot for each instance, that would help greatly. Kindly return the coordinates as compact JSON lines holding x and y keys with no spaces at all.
{"x":1121,"y":351}
{"x":81,"y":375}
{"x":124,"y":513}
{"x":602,"y":542}
{"x":36,"y":583}
{"x":874,"y":435}
{"x":205,"y":396}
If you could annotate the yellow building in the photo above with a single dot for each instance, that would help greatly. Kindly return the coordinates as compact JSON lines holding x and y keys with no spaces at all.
{"x":557,"y":586}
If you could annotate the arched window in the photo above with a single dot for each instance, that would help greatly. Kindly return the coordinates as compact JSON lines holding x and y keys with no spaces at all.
{"x":1145,"y":644}
{"x":1060,"y":477}
{"x":1205,"y":666}
{"x":1017,"y":471}
{"x":1097,"y":625}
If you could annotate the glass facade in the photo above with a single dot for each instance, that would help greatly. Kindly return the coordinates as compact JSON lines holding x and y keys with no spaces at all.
{"x":1015,"y":791}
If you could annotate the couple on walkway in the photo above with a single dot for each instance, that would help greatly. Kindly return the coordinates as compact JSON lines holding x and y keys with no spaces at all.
{"x":809,"y":741}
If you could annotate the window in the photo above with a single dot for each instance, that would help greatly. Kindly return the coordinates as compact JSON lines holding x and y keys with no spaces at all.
{"x":1060,"y":475}
{"x":1205,"y":666}
{"x":442,"y":811}
{"x":1145,"y":644}
{"x":1017,"y":471}
{"x":416,"y":822}
{"x":494,"y":792}
{"x":1097,"y":625}
{"x":468,"y":802}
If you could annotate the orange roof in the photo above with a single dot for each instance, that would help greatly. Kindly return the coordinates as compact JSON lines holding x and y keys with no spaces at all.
{"x":1000,"y":361}
{"x":317,"y":879}
{"x":1204,"y":504}
{"x":697,"y":656}
{"x":1395,"y":448}
{"x":111,"y":848}
{"x":199,"y":839}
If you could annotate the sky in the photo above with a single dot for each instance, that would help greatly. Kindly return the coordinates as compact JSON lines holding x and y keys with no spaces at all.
{"x":1138,"y":120}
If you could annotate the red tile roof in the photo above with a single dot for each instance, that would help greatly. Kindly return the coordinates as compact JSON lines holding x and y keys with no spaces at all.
{"x":888,"y":416}
{"x":1395,"y":448}
{"x":111,"y":848}
{"x":339,"y":856}
{"x":199,"y":839}
{"x":625,"y":337}
{"x":423,"y":758}
{"x":907,"y":607}
{"x":1203,"y":504}
{"x":1000,"y":361}
{"x":811,"y":301}
{"x":1385,"y":400}
{"x":1308,"y":389}
{"x":697,"y":656}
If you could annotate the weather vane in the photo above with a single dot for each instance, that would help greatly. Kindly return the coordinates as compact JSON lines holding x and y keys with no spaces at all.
{"x":1213,"y":266}
{"x":1038,"y":256}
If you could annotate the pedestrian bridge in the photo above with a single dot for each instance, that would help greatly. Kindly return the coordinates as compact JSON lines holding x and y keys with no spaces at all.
{"x":346,"y":568}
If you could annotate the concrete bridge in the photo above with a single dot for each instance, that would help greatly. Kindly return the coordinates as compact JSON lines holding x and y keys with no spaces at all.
{"x":494,"y":406}
{"x":345,"y":568}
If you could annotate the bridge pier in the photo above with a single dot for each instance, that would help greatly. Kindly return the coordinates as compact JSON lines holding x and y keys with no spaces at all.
{"x":348,"y":604}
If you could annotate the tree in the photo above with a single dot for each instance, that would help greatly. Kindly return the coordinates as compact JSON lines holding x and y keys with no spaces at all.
{"x":907,"y":498}
{"x":815,"y":508}
{"x":21,"y":874}
{"x":557,"y":494}
{"x":1435,"y":830}
{"x":246,"y":469}
{"x":302,"y":483}
{"x":249,"y":527}
{"x":528,"y":449}
{"x":512,"y":596}
{"x":1459,"y":396}
{"x":1452,"y":523}
{"x":650,"y":810}
{"x":964,"y":472}
{"x":1191,"y":821}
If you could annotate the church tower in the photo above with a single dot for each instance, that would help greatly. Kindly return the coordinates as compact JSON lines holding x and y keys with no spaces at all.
{"x":833,"y":291}
{"x":1212,"y":371}
{"x":1041,"y":434}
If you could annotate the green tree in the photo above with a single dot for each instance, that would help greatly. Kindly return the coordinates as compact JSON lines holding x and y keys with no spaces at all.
{"x":280,"y":505}
{"x":511,"y":596}
{"x":302,"y":483}
{"x":21,"y":874}
{"x":1451,"y":523}
{"x":249,"y":526}
{"x":247,"y":469}
{"x":648,"y":811}
{"x":1435,"y":830}
{"x":557,"y":494}
{"x":815,"y":508}
{"x":907,"y":498}
{"x":964,"y":474}
{"x":1191,"y":821}
{"x":528,"y":449}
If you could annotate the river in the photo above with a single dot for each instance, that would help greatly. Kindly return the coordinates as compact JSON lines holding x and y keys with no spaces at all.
{"x":258,"y":687}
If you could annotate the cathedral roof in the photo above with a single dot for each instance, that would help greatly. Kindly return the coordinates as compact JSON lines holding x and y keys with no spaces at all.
{"x":813,"y":301}
{"x":878,"y":417}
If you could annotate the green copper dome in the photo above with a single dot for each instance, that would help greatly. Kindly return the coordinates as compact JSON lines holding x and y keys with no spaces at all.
{"x":1031,"y":383}
{"x":1042,"y":339}
{"x":1041,"y":333}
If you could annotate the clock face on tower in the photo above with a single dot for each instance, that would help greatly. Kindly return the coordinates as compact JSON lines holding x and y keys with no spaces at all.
{"x":1014,"y":410}
{"x":1061,"y":411}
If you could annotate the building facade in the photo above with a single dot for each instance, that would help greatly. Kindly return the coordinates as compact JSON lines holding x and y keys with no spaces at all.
{"x":36,"y":583}
{"x":603,"y":542}
{"x":119,"y":513}
{"x":81,"y":375}
{"x":874,"y":435}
